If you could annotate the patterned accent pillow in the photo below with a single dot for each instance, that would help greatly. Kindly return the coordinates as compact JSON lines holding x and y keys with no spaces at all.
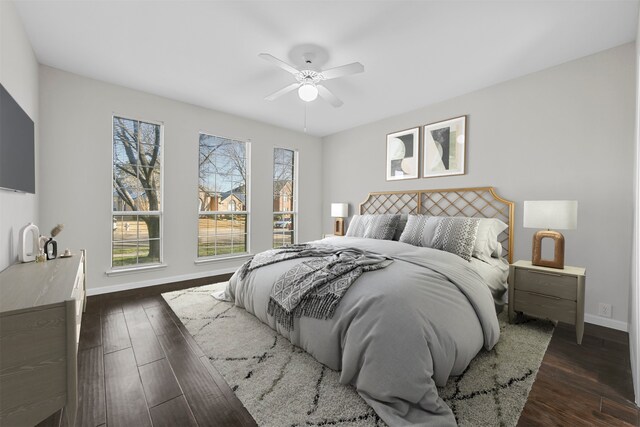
{"x":382,"y":227}
{"x":420,"y":230}
{"x":373,"y":226}
{"x":456,"y":235}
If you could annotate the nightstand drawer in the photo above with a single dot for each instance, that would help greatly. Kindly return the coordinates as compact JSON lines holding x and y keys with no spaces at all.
{"x":546,"y":306}
{"x":552,"y":284}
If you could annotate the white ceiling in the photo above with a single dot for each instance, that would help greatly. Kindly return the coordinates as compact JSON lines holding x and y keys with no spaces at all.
{"x":415,"y":53}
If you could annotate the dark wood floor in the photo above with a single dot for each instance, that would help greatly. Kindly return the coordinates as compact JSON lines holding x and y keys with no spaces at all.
{"x":138,"y":366}
{"x":583,"y":385}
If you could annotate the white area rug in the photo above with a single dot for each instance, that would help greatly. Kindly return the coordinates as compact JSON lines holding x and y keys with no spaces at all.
{"x":281,"y":385}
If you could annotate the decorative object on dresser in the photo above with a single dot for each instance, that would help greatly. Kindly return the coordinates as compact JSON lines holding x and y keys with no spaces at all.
{"x":558,"y":214}
{"x":51,"y":246}
{"x":29,"y":243}
{"x":444,"y":147}
{"x":548,"y":293}
{"x":40,"y":314}
{"x":339,"y":211}
{"x":402,"y":154}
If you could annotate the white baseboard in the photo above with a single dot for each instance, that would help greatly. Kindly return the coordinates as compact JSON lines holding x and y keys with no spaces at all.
{"x":606,"y":322}
{"x":158,"y":281}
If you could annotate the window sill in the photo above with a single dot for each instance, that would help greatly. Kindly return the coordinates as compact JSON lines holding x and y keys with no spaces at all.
{"x":221,"y":258}
{"x":130,"y":270}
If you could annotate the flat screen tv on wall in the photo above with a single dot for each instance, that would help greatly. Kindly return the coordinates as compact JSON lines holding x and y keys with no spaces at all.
{"x":17,"y":152}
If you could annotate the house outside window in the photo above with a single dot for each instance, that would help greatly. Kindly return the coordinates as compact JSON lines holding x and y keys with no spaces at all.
{"x":222,"y":197}
{"x":284,"y":201}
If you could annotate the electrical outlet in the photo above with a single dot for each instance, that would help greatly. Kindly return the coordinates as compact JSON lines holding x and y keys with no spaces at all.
{"x":604,"y":310}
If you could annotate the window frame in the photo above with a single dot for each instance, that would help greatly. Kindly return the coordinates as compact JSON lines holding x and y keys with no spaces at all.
{"x":209,"y":258}
{"x":294,"y":212}
{"x":151,"y":265}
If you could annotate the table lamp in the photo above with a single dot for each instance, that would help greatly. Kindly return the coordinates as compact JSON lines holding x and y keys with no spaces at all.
{"x":557,"y":214}
{"x":339,"y":211}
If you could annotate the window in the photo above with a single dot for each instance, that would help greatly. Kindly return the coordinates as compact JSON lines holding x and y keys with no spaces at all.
{"x":284,"y":205}
{"x":137,"y":190}
{"x":222,"y":195}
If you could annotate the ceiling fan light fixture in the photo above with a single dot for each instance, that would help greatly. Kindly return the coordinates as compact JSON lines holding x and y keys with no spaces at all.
{"x":308,"y":92}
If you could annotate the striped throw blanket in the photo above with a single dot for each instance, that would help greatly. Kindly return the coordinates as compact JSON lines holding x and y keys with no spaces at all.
{"x":313,"y":288}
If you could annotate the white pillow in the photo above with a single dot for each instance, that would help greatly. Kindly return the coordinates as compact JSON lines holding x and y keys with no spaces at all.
{"x":487,"y":244}
{"x":357,"y":226}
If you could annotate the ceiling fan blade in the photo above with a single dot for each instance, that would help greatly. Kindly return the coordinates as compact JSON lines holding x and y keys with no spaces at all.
{"x":327,"y":95}
{"x":279,"y":63}
{"x":287,"y":89}
{"x":343,"y":70}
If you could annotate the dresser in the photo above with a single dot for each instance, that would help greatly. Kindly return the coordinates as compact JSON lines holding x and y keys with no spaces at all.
{"x":549,"y":293}
{"x":41,"y":308}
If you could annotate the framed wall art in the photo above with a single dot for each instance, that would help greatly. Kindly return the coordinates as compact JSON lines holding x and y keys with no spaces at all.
{"x":444,"y":148}
{"x":402,"y":154}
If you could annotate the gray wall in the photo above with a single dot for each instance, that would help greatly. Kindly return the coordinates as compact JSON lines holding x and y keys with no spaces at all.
{"x":19,"y":75}
{"x":76,"y":129}
{"x":563,"y":133}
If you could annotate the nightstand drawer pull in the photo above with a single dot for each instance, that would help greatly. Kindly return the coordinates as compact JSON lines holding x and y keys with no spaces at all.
{"x":544,"y":295}
{"x":546,"y":273}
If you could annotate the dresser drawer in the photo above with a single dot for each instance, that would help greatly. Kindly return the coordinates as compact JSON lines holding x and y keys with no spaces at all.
{"x":552,"y":284}
{"x":546,"y":306}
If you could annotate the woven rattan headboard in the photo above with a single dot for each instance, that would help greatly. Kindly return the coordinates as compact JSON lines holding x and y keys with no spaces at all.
{"x":479,"y":202}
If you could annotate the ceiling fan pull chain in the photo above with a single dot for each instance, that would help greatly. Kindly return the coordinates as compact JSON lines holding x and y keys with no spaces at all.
{"x":305,"y":117}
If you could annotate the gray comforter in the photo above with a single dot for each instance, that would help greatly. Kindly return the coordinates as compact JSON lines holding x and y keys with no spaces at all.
{"x":397,"y":332}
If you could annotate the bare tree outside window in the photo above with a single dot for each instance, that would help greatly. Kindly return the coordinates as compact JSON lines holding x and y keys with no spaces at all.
{"x":222,"y":197}
{"x":137,"y":157}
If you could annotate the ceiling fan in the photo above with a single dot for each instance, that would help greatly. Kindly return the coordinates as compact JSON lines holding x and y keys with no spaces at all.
{"x":309,"y":81}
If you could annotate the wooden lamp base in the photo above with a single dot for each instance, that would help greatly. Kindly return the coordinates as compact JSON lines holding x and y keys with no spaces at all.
{"x":558,"y":250}
{"x":338,"y":227}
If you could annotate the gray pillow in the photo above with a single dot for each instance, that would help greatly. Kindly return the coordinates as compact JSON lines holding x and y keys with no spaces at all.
{"x":420,"y":230}
{"x":402,"y":223}
{"x":456,"y":235}
{"x":373,"y":226}
{"x":382,"y":227}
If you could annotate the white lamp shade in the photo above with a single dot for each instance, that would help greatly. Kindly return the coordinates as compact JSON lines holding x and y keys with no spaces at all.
{"x":551,"y":214}
{"x":339,"y":210}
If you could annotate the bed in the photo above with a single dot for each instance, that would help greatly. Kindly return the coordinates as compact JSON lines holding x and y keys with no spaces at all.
{"x":400,"y":331}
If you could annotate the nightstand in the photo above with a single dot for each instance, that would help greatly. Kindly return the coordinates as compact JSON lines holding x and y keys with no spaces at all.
{"x":550,"y":293}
